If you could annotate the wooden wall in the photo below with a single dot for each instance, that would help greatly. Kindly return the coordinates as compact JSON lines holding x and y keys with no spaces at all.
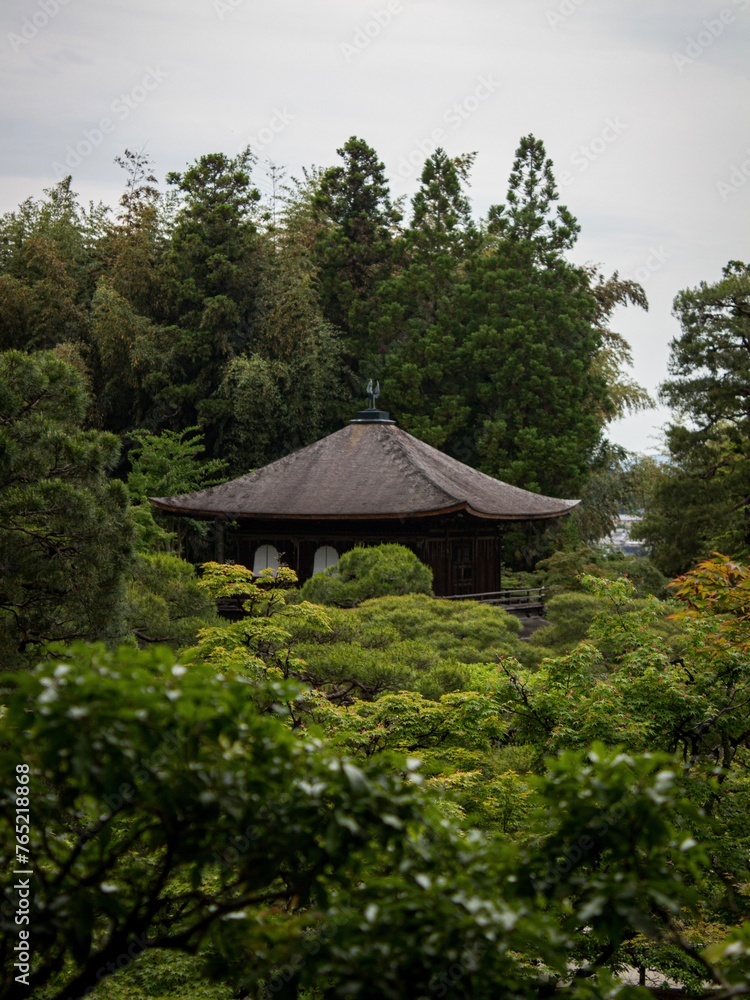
{"x":464,"y":555}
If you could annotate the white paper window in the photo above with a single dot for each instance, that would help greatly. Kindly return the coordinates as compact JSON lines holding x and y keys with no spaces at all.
{"x":266,"y":557}
{"x":325,"y":556}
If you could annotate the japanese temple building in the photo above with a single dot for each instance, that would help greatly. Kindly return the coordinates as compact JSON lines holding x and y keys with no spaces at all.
{"x":368,"y":483}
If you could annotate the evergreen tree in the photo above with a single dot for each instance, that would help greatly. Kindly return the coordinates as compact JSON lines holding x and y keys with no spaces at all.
{"x":354,"y":246}
{"x":702,"y":500}
{"x":421,"y":318}
{"x":531,"y":215}
{"x":65,"y":533}
{"x":206,"y":286}
{"x":614,"y":357}
{"x":133,"y":248}
{"x":531,"y":340}
{"x":123,"y":353}
{"x":47,"y":267}
{"x":441,"y":212}
{"x":293,"y":385}
{"x":504,"y":354}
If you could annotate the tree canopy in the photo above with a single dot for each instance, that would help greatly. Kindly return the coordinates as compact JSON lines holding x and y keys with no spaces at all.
{"x":700,"y":502}
{"x":351,"y":788}
{"x":65,"y":532}
{"x":194,"y":806}
{"x":206,"y":304}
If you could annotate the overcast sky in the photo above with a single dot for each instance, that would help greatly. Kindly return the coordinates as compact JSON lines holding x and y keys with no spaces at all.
{"x":643,"y":105}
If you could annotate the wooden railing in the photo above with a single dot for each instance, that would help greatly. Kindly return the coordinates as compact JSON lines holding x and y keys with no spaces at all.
{"x":528,"y":599}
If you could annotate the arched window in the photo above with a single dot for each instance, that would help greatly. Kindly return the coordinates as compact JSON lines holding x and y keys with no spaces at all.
{"x":266,"y":557}
{"x":325,"y":556}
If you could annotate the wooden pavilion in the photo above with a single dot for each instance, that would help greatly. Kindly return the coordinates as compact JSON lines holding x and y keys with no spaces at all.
{"x":368,"y":483}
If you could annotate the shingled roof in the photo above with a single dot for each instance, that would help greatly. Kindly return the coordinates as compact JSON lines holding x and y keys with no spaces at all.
{"x":367,"y":470}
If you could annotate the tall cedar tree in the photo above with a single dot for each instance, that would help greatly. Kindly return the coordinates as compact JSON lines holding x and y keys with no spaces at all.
{"x":207,"y":285}
{"x":502,"y":377}
{"x":354,"y":246}
{"x":420,"y":318}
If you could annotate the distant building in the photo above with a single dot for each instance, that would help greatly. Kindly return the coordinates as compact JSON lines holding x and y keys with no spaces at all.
{"x":368,"y":483}
{"x":620,"y":538}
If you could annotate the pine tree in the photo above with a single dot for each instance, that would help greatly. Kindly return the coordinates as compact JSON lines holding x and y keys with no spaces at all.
{"x":65,"y":533}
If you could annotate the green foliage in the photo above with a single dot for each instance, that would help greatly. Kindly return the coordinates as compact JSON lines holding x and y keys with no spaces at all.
{"x":205,"y":287}
{"x":563,"y":570}
{"x":410,"y":643}
{"x":46,"y":269}
{"x":171,"y":815}
{"x":160,"y":973}
{"x":388,"y":644}
{"x":441,"y":213}
{"x":168,"y":811}
{"x":571,"y":615}
{"x":456,"y":737}
{"x":133,"y":247}
{"x":540,"y":448}
{"x":170,"y":463}
{"x":124,"y":349}
{"x":614,"y":358}
{"x":364,"y":573}
{"x":530,"y":214}
{"x":640,"y":570}
{"x":699,"y":503}
{"x":65,"y":533}
{"x":619,"y":482}
{"x":659,"y":685}
{"x":464,"y":630}
{"x":420,"y":322}
{"x":263,"y":642}
{"x":483,"y":328}
{"x":165,"y":603}
{"x":612,"y":857}
{"x":196,"y":816}
{"x":167,"y":464}
{"x":333,"y":872}
{"x":353,"y":247}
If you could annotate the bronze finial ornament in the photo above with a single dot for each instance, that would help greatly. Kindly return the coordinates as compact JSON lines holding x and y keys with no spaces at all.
{"x":373,"y":391}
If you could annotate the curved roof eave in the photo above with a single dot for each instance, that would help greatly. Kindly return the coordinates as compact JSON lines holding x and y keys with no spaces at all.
{"x":159,"y":503}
